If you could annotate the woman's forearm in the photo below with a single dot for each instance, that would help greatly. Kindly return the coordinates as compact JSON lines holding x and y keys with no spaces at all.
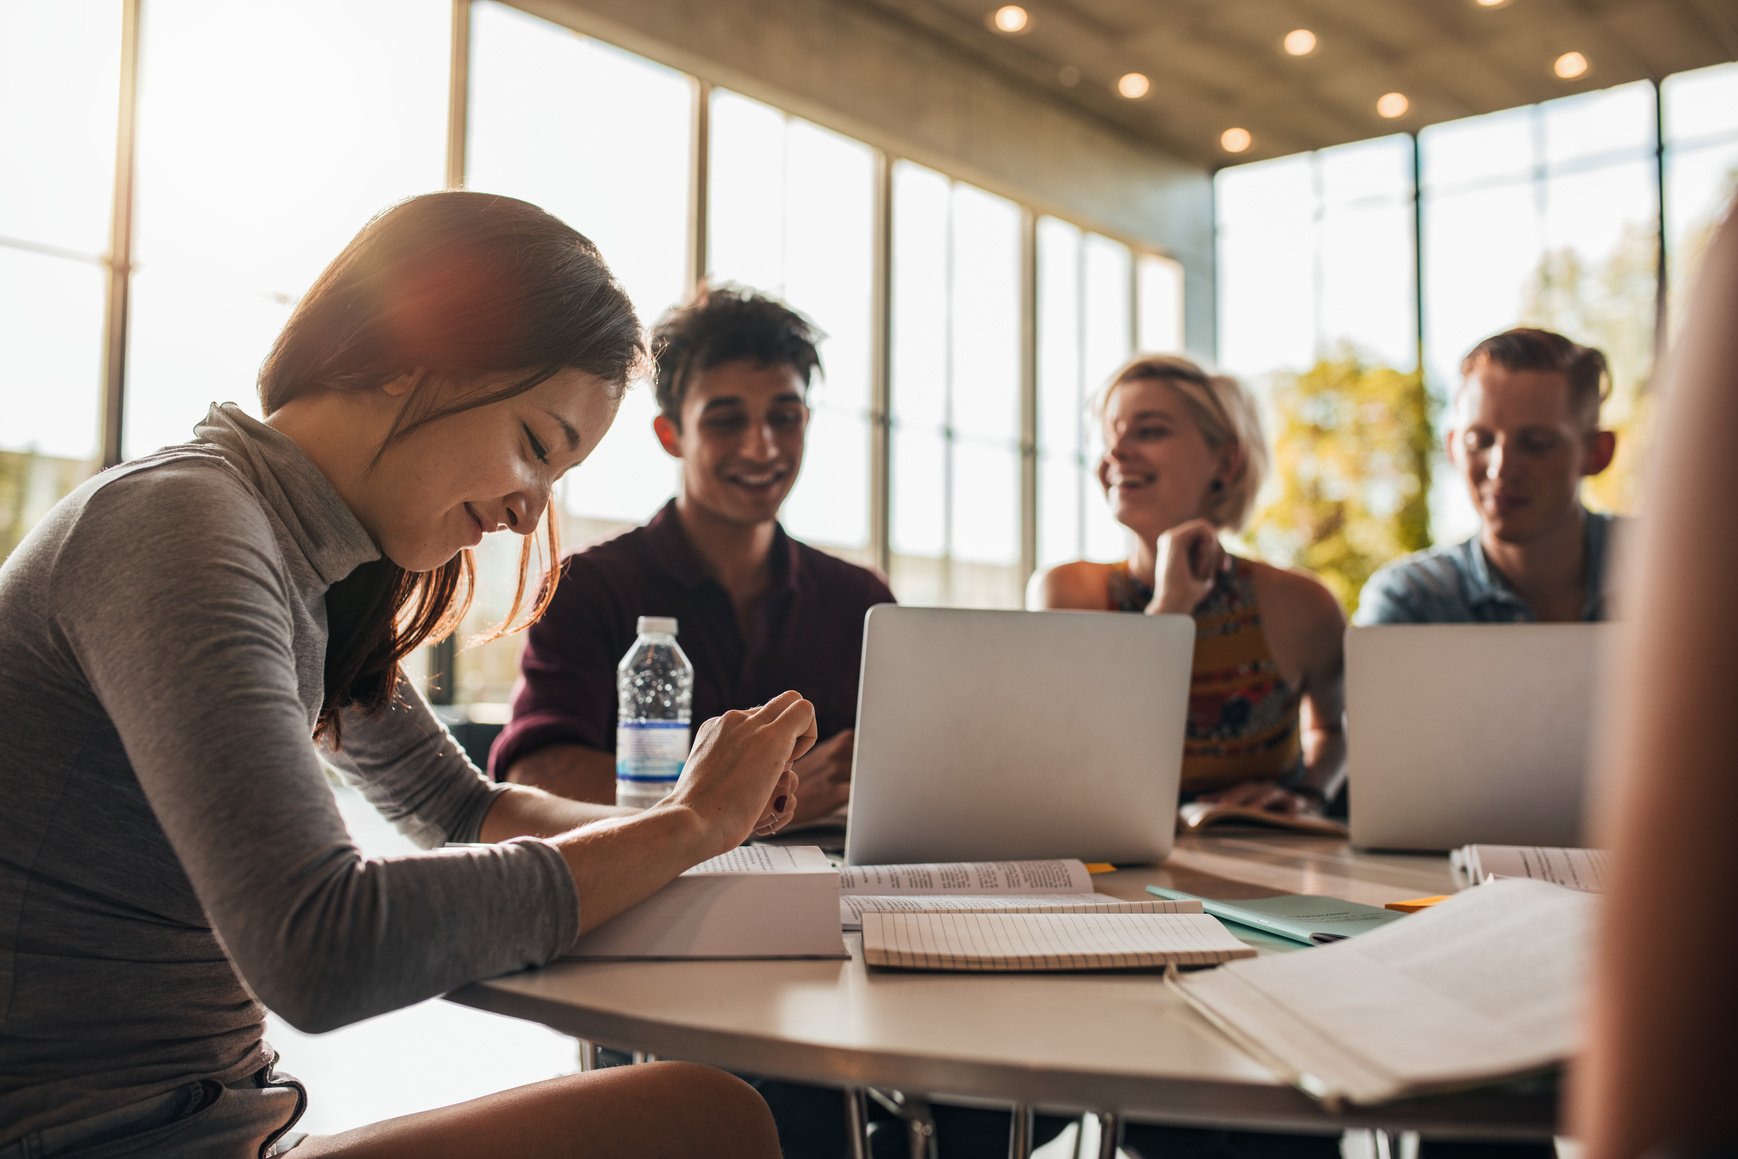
{"x":523,"y":811}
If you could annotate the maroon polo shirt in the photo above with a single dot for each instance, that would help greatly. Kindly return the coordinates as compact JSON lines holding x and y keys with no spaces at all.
{"x":805,"y":633}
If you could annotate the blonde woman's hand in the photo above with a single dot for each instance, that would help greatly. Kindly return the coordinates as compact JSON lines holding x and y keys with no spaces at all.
{"x":1188,"y":561}
{"x":1266,"y":796}
{"x":738,"y":779}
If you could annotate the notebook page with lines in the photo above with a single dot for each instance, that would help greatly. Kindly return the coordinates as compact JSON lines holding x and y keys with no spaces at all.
{"x":1046,"y":941}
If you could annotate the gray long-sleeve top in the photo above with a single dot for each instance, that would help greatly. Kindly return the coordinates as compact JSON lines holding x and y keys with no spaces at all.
{"x":170,"y":852}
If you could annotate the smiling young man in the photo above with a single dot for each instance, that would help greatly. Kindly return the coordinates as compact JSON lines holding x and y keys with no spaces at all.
{"x":1526,"y":432}
{"x":758,"y":611}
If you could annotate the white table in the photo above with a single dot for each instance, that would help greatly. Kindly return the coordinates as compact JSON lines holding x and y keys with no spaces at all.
{"x":1120,"y":1044}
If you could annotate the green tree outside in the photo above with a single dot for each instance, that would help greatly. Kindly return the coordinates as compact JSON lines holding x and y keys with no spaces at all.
{"x":1351,"y":468}
{"x":1609,"y":304}
{"x":31,"y":483}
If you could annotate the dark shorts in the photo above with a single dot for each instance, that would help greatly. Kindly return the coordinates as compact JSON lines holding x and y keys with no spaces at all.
{"x":201,"y":1119}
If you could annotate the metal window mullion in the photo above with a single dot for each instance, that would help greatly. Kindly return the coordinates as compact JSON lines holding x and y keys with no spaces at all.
{"x":1418,"y":256}
{"x":442,"y":683}
{"x":458,"y":94}
{"x":1083,"y":391}
{"x":700,"y":185}
{"x":1134,"y":302}
{"x":1539,"y":175}
{"x":118,"y":300}
{"x":1318,"y":257}
{"x":1662,"y":269}
{"x":1028,"y":393}
{"x":948,"y":436}
{"x":881,"y":366}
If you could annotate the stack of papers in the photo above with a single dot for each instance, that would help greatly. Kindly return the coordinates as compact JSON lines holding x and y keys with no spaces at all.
{"x":1488,"y":985}
{"x":1583,"y":869}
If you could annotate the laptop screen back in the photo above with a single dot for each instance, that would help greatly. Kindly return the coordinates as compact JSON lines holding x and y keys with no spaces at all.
{"x":988,"y":735}
{"x":1464,"y":734}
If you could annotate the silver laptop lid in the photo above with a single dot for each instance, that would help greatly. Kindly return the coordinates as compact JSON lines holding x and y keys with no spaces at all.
{"x":1464,"y":734}
{"x":988,"y":735}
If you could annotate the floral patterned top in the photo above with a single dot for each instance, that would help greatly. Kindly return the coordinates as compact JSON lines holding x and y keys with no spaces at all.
{"x":1243,"y":716}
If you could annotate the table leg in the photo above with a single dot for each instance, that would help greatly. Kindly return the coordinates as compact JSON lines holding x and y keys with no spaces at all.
{"x":919,"y":1128}
{"x":1109,"y":1134}
{"x":856,"y":1123}
{"x":587,"y":1054}
{"x":1020,"y":1131}
{"x":915,"y":1114}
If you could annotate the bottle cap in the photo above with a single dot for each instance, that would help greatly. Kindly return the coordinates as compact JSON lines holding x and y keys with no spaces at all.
{"x":656,"y":626}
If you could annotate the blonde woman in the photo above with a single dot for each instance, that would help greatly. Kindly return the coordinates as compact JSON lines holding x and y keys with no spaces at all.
{"x":1184,"y":457}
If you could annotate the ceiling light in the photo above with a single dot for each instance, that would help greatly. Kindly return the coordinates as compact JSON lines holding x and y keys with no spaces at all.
{"x":1570,"y":65}
{"x":1300,"y":42}
{"x":1010,"y":18}
{"x":1133,"y":85}
{"x":1235,"y":140}
{"x":1392,"y":105}
{"x":1491,"y":3}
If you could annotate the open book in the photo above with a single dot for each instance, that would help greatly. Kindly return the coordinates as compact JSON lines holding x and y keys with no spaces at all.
{"x":1486,"y":986}
{"x":1194,"y":816}
{"x":759,"y":901}
{"x":1046,"y":941}
{"x":1062,"y":885}
{"x":1583,"y":869}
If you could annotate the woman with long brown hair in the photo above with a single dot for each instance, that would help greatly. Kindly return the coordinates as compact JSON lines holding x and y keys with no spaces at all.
{"x":187,"y":639}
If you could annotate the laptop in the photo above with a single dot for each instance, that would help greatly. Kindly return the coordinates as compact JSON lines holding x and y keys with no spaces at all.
{"x":1464,"y":734}
{"x":987,"y":736}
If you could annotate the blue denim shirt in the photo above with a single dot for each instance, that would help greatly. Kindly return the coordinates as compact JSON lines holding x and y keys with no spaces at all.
{"x":1457,"y":585}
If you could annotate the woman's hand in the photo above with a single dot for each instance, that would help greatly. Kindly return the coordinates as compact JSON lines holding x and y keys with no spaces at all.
{"x":1188,"y":561}
{"x":779,"y":811}
{"x":1266,"y":796}
{"x":738,"y":780}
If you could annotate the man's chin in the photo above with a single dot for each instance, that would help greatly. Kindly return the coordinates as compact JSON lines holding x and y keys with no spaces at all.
{"x":1519,"y":529}
{"x":749,"y":508}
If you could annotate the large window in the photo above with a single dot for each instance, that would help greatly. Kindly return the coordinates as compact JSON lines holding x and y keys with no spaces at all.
{"x":564,"y":122}
{"x":1088,"y":326}
{"x":791,"y":211}
{"x":1548,"y":216}
{"x":1317,"y":265}
{"x":1316,"y":259}
{"x":956,"y":333}
{"x":59,"y":96}
{"x":263,"y":137}
{"x":1700,"y":111}
{"x":260,"y":154}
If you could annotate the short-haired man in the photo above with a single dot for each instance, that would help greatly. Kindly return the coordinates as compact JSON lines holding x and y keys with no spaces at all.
{"x":1526,"y":432}
{"x":758,"y":611}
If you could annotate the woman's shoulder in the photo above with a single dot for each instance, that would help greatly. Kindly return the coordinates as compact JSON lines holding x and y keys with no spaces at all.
{"x":181,"y":510}
{"x":1295,"y":595}
{"x":1082,"y":584}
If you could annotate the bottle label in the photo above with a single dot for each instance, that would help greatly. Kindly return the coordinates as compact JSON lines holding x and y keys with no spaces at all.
{"x":651,"y":751}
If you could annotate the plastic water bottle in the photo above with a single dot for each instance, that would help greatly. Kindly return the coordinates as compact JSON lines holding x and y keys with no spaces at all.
{"x":654,"y":701}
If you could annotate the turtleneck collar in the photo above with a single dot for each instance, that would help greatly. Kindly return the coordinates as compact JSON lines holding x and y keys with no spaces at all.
{"x":328,"y":532}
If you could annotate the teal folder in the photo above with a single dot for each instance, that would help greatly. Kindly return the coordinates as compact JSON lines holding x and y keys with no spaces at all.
{"x":1297,"y":917}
